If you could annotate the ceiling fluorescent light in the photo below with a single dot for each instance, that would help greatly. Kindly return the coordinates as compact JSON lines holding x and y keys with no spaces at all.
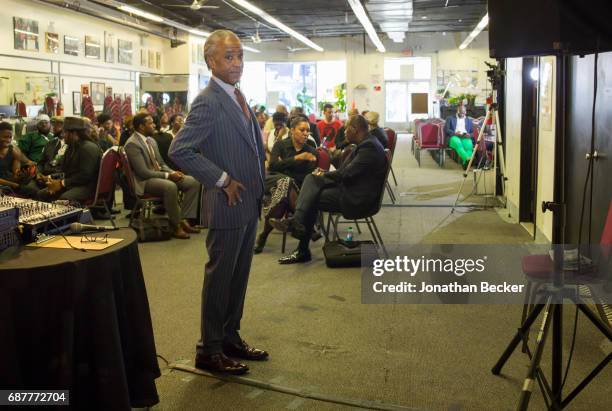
{"x":483,"y":23}
{"x":366,"y":23}
{"x":259,"y":12}
{"x":133,"y":10}
{"x":251,"y":49}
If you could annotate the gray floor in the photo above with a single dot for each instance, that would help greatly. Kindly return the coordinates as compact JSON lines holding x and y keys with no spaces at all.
{"x":323,"y":341}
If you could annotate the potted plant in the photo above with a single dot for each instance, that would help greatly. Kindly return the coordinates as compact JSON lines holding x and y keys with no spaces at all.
{"x":305,"y":101}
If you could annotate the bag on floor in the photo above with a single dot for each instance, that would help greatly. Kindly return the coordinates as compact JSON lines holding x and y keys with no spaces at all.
{"x":152,"y":229}
{"x":342,"y":253}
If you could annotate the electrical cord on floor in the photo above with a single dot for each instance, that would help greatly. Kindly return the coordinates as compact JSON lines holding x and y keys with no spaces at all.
{"x":589,"y":178}
{"x":164,"y":360}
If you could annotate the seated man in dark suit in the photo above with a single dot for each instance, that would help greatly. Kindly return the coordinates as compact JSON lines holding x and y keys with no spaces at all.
{"x":80,"y":166}
{"x":154,"y":177}
{"x":353,"y":190}
{"x":458,"y":132}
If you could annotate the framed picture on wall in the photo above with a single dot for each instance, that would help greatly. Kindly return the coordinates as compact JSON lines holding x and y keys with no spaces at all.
{"x":85,"y":89}
{"x":76,"y":102}
{"x":97,"y":93}
{"x":71,"y":45}
{"x":158,"y":60}
{"x":125,"y":51}
{"x":25,"y":33}
{"x":109,"y":47}
{"x":92,"y":47}
{"x":109,"y":91}
{"x":52,"y":42}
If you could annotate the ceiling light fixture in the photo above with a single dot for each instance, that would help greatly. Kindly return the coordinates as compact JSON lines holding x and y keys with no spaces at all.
{"x":259,"y":12}
{"x":483,"y":23}
{"x":366,"y":23}
{"x":138,"y":12}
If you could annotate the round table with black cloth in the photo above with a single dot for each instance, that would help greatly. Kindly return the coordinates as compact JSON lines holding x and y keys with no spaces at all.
{"x":79,"y":321}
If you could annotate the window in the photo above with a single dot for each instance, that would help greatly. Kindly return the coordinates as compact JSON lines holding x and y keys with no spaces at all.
{"x":252,"y":84}
{"x":291,"y":84}
{"x":330,"y":74}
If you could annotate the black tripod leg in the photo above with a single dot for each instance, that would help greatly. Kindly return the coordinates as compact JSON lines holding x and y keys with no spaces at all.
{"x":598,"y":322}
{"x":587,"y":380}
{"x":535,"y":361}
{"x":518,"y":337}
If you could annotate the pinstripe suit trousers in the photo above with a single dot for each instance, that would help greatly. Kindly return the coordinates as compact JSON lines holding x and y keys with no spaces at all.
{"x":225,"y":282}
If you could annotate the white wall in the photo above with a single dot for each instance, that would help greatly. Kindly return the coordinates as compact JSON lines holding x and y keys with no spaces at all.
{"x":74,"y":70}
{"x":514,"y":95}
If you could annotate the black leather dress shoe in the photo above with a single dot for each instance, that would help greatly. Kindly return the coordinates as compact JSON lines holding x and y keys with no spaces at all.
{"x":244,"y":351}
{"x":220,"y":363}
{"x":295,"y":257}
{"x":259,"y":245}
{"x":289,"y":225}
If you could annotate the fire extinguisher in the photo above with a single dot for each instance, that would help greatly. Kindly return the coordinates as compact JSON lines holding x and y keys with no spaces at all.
{"x":59,"y":109}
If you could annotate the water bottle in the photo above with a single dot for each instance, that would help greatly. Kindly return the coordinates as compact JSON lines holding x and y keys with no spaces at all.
{"x":349,"y":234}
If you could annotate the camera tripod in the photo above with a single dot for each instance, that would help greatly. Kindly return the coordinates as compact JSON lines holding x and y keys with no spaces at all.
{"x":493,"y":118}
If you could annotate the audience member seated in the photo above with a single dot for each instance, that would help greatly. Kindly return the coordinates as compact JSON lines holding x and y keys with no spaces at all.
{"x":340,"y":141}
{"x":262,"y":118}
{"x":127,"y":130}
{"x":458,"y":130}
{"x":107,"y":133}
{"x":11,"y":161}
{"x":290,"y":162}
{"x":33,"y":143}
{"x":353,"y":189}
{"x":164,"y":123}
{"x":375,"y":129}
{"x":164,"y":138}
{"x":53,"y":153}
{"x":279,"y":132}
{"x":311,"y":139}
{"x":281,"y":108}
{"x":154,"y":177}
{"x":80,"y":166}
{"x":328,"y":127}
{"x":314,"y":130}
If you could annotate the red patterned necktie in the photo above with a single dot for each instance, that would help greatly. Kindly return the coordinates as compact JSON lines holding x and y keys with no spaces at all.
{"x":242,"y":103}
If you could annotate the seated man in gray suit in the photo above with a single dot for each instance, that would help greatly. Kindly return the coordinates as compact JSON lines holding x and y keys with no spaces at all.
{"x":154,"y":177}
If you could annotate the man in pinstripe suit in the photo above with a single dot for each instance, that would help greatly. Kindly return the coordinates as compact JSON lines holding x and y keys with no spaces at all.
{"x":221,"y":146}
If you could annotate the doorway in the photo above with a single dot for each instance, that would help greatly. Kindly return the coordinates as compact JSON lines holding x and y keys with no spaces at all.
{"x":529,"y":144}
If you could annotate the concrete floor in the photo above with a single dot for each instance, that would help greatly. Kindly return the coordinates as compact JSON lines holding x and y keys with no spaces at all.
{"x":324,"y":342}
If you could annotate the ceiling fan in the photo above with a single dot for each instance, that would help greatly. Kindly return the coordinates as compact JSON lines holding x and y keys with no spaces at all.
{"x":196,"y":5}
{"x":294,"y":49}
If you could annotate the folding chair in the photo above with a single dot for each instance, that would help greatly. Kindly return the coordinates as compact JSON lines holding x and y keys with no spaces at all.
{"x":334,"y":218}
{"x":391,"y":143}
{"x":143,"y":207}
{"x":105,"y":186}
{"x":430,"y":134}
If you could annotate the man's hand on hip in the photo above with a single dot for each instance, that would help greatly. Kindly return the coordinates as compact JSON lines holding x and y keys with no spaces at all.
{"x":232,"y":191}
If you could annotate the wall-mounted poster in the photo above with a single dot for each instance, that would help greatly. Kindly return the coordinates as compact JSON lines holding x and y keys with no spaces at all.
{"x":92,"y":48}
{"x":25,"y":33}
{"x":71,"y":45}
{"x":125,"y":51}
{"x":97,"y":93}
{"x":85,"y":90}
{"x":151,"y":59}
{"x":109,"y":47}
{"x":76,"y":102}
{"x":52,"y":42}
{"x":158,"y":60}
{"x":143,"y":57}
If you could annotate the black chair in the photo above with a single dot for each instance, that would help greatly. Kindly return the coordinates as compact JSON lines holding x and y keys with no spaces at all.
{"x":334,"y":219}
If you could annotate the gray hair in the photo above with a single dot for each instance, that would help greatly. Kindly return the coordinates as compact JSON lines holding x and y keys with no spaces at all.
{"x":212,"y":41}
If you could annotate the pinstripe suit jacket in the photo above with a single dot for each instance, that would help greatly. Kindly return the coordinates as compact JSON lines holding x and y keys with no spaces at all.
{"x":215,"y":138}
